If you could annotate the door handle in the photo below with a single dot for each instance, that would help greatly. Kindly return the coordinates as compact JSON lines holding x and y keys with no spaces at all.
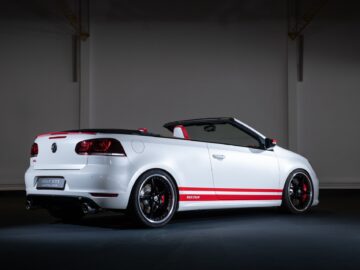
{"x":219,"y":157}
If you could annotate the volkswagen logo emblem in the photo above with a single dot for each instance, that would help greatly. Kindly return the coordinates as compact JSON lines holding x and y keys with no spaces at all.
{"x":53,"y":147}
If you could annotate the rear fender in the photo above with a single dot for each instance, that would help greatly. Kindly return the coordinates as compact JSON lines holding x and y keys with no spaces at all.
{"x":176,"y":177}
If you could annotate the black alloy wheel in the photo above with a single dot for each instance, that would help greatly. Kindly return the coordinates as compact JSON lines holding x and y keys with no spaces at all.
{"x":298,"y":192}
{"x":155,"y":198}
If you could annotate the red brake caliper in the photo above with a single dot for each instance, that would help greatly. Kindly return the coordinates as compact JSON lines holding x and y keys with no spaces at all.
{"x":162,"y":198}
{"x":304,"y":189}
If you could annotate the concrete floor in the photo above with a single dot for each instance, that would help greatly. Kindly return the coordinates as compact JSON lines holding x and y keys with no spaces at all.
{"x":326,"y":238}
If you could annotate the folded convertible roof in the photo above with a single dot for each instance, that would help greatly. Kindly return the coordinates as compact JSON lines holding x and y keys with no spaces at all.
{"x":170,"y":126}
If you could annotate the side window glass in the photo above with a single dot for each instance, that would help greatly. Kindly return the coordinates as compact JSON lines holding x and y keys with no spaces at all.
{"x":222,"y":133}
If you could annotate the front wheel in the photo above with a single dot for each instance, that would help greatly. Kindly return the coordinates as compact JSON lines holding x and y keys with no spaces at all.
{"x":298,"y":192}
{"x":154,"y":199}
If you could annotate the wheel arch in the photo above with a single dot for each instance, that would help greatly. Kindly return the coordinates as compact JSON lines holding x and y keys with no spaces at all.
{"x":289,"y":165}
{"x":291,"y":172}
{"x":140,"y":173}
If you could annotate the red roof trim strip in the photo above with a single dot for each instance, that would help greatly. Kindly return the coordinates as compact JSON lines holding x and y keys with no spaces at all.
{"x":143,"y":130}
{"x":184,"y":131}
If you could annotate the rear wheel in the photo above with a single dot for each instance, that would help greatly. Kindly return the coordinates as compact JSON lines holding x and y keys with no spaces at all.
{"x":298,"y":193}
{"x":154,"y":199}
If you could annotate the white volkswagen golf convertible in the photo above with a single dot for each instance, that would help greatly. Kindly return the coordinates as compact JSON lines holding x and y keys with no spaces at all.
{"x":210,"y":163}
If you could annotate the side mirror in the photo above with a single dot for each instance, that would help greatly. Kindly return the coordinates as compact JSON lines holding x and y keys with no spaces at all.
{"x":270,"y":143}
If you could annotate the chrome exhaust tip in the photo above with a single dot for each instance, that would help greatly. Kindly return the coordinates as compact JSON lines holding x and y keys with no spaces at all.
{"x":87,"y":209}
{"x":28,"y":205}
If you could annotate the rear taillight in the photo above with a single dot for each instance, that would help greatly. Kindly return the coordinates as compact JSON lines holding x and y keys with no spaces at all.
{"x":100,"y":147}
{"x":34,"y":150}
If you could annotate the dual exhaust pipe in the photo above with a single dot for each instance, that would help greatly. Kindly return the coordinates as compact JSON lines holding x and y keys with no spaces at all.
{"x":28,"y":205}
{"x":87,"y":209}
{"x":84,"y":207}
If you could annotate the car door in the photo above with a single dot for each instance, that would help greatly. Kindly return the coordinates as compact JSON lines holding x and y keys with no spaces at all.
{"x":243,"y":173}
{"x":242,"y":170}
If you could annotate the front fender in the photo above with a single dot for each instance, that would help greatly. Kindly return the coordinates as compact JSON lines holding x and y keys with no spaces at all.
{"x":288,"y":163}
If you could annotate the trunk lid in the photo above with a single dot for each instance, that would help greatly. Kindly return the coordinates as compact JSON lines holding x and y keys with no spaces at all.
{"x":57,"y":151}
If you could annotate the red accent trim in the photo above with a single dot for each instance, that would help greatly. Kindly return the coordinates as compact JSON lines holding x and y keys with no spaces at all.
{"x":184,"y":131}
{"x":57,"y":137}
{"x":64,"y":133}
{"x":304,"y":196}
{"x":229,"y":189}
{"x":143,"y":130}
{"x":104,"y":194}
{"x":210,"y":197}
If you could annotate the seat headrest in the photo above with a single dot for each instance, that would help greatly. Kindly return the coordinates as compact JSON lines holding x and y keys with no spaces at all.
{"x":180,"y":132}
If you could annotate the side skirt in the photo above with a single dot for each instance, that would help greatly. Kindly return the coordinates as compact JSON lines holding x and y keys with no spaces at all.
{"x":202,"y":205}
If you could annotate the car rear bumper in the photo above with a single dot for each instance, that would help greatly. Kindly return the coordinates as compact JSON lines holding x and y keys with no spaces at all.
{"x":49,"y":201}
{"x":105,"y":183}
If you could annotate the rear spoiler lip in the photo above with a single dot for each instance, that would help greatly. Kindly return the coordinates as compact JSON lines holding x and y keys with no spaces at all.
{"x":117,"y":131}
{"x":64,"y":133}
{"x":98,"y":131}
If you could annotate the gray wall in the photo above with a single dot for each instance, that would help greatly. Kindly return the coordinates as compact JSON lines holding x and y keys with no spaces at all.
{"x":329,"y":127}
{"x":155,"y":62}
{"x":36,"y":89}
{"x":148,"y":73}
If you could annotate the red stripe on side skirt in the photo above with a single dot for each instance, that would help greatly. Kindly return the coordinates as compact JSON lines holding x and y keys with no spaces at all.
{"x":229,"y":189}
{"x":209,"y":197}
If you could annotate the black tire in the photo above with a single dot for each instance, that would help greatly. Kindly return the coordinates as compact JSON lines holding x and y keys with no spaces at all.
{"x":66,"y":214}
{"x":154,"y":199}
{"x":298,"y":194}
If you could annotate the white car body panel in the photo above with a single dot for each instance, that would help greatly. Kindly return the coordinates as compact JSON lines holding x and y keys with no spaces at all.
{"x":228,"y":172}
{"x":244,"y":173}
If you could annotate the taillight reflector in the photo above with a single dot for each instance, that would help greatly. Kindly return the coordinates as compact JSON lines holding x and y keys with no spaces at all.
{"x":104,"y":146}
{"x":104,"y":194}
{"x":34,"y":150}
